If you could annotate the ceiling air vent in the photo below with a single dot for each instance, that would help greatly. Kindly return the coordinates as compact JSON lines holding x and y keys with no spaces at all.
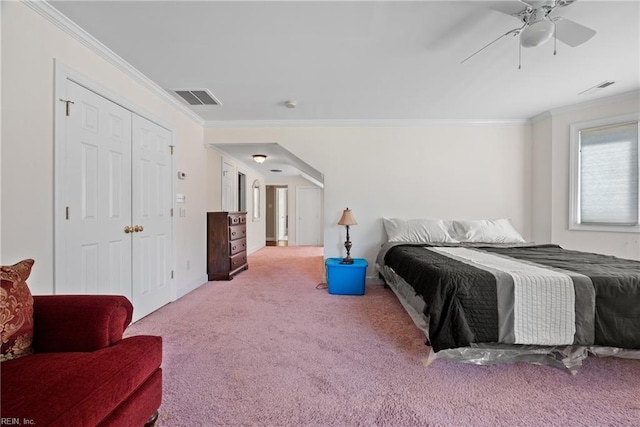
{"x":597,"y":87}
{"x":197,"y":96}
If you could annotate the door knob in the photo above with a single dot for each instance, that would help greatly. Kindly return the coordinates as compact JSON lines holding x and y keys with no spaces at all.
{"x":138,"y":228}
{"x":128,"y":229}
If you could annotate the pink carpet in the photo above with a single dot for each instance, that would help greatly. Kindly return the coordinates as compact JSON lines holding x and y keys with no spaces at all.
{"x":268,"y":348}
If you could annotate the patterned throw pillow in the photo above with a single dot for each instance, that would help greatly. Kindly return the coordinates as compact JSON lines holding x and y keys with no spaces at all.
{"x":16,"y":310}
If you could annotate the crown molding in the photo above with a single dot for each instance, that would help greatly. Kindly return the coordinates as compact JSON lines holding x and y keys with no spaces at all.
{"x":43,"y":8}
{"x":354,"y":123}
{"x":540,"y":117}
{"x":621,"y":97}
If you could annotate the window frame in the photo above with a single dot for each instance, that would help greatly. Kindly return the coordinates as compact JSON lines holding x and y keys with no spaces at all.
{"x":574,"y":175}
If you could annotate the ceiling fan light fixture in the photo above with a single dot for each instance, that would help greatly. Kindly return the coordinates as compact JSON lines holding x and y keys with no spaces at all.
{"x":537,"y":33}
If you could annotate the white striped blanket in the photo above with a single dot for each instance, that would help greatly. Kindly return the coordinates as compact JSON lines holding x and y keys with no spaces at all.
{"x":544,"y":299}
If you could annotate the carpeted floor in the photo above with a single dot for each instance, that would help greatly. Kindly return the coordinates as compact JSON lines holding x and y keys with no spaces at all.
{"x":268,"y":348}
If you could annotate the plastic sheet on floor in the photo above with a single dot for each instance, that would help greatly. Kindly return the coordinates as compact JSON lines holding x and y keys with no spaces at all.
{"x":563,"y":357}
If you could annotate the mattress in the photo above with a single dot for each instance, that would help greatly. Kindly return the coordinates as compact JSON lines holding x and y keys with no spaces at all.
{"x":581,"y":301}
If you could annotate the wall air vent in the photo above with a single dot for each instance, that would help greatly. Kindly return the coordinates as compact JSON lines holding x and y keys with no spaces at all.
{"x":197,"y":96}
{"x":597,"y":87}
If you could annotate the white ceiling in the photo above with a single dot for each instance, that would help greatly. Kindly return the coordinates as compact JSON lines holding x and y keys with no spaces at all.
{"x":364,"y":60}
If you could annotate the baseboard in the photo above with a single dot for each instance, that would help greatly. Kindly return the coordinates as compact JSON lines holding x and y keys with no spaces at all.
{"x":254,"y":249}
{"x":373,"y":281}
{"x":180,"y":292}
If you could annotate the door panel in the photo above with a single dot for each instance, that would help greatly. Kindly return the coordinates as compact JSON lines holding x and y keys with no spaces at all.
{"x":97,"y":252}
{"x":281,"y":196}
{"x":228,"y":193}
{"x":151,"y":210}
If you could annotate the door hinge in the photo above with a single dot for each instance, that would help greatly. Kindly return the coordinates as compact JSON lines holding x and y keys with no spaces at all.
{"x":66,"y":213}
{"x":172,"y":274}
{"x":171,"y":211}
{"x":68,"y":107}
{"x":171,"y":148}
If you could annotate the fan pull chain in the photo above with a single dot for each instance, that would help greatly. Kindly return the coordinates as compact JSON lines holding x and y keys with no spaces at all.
{"x":519,"y":55}
{"x":555,"y":38}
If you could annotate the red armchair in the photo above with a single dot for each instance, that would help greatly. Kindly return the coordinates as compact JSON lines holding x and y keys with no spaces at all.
{"x":82,"y":372}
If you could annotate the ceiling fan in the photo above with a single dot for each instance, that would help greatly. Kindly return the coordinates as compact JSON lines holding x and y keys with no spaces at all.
{"x":538,"y":26}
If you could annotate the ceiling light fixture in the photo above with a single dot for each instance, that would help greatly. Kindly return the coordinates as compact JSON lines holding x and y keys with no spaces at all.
{"x":540,"y":29}
{"x":259,"y":158}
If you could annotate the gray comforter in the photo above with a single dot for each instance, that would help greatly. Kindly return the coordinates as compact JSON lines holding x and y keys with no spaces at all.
{"x":466,"y":303}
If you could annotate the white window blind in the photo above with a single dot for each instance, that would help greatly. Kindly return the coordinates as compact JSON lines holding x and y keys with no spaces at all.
{"x":609,"y":175}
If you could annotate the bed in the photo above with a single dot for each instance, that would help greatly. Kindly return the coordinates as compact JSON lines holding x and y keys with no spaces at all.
{"x":482,"y":294}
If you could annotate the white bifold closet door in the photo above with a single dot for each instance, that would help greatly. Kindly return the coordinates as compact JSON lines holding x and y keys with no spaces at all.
{"x":117,"y":198}
{"x":151,"y":211}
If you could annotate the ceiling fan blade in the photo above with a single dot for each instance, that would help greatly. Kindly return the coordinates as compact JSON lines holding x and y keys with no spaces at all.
{"x":514,"y":32}
{"x":510,"y":7}
{"x":564,"y":3}
{"x":572,"y":33}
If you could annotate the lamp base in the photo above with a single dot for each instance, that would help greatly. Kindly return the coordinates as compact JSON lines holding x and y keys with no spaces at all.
{"x":347,"y":260}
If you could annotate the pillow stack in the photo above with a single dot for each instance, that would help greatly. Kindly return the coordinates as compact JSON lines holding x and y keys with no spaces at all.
{"x":417,"y":230}
{"x":457,"y":231}
{"x":486,"y":231}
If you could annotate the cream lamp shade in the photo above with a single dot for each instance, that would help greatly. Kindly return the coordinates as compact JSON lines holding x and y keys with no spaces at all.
{"x":347,"y":218}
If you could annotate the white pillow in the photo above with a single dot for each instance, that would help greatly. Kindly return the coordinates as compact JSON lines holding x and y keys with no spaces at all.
{"x":417,"y":230}
{"x":485,"y":231}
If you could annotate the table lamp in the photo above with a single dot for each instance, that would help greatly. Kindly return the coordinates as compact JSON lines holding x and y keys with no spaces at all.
{"x":347,"y":219}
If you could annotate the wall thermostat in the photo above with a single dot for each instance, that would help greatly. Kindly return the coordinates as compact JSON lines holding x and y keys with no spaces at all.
{"x":182,"y":175}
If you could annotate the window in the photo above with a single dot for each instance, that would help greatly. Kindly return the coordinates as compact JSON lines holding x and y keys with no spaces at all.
{"x":605,"y":194}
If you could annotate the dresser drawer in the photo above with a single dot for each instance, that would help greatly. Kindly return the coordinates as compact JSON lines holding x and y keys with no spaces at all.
{"x":237,"y":219}
{"x":237,"y":232}
{"x":238,"y":260}
{"x":237,"y":246}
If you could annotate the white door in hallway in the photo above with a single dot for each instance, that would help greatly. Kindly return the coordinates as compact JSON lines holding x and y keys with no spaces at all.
{"x":116,"y":233}
{"x":309,"y":214}
{"x":283,"y":214}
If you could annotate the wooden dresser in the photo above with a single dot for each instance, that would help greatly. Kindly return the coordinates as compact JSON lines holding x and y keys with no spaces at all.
{"x":226,"y":244}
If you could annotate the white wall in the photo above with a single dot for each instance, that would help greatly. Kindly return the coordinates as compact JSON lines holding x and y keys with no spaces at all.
{"x":541,"y":188}
{"x":459,"y":171}
{"x":30,"y":43}
{"x":551,"y":170}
